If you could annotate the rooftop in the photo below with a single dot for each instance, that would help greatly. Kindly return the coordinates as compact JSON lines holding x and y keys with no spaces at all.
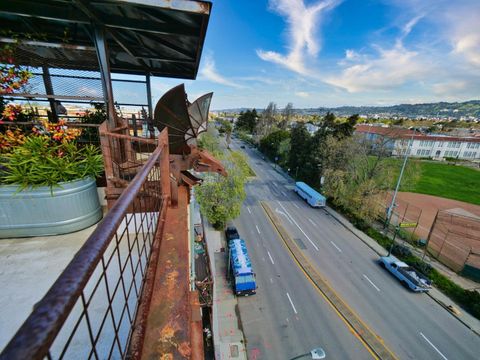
{"x":402,"y":133}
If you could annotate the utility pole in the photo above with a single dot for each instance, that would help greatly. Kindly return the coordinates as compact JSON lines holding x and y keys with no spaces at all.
{"x":392,"y":204}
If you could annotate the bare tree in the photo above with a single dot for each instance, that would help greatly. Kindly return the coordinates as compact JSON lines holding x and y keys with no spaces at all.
{"x":287,"y":114}
{"x":358,"y":172}
{"x":267,"y":120}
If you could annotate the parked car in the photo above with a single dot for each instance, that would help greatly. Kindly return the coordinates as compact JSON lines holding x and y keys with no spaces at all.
{"x":231,"y":233}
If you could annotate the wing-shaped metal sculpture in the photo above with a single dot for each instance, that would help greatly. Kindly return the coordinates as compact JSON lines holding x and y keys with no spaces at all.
{"x":198,"y":112}
{"x":185,"y":121}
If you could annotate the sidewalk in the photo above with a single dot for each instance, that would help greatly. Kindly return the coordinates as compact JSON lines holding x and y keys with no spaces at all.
{"x":464,"y":317}
{"x":227,"y":336}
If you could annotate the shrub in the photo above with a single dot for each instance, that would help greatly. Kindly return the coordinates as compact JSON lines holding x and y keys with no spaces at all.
{"x":47,"y":157}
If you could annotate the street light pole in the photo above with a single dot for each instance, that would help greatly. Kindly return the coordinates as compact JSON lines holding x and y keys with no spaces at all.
{"x":392,"y":204}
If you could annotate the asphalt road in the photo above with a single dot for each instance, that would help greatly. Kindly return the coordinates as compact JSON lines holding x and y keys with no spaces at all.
{"x":281,"y":326}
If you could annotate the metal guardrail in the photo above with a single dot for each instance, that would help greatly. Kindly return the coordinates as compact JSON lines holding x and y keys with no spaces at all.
{"x":90,"y":311}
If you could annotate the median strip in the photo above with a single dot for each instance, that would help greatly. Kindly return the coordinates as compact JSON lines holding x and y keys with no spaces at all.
{"x":371,"y":340}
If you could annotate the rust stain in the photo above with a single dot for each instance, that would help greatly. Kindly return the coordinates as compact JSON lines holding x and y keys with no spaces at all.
{"x":184,"y":349}
{"x":168,"y":330}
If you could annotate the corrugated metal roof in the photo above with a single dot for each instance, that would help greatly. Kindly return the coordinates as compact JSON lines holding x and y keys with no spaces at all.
{"x":161,"y":37}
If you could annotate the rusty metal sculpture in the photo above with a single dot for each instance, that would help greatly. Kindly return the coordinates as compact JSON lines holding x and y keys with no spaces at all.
{"x":185,"y":121}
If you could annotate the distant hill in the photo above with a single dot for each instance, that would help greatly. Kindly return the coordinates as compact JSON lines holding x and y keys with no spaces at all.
{"x":440,"y":109}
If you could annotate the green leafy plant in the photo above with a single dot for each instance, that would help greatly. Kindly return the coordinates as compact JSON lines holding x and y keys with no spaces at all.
{"x":41,"y":162}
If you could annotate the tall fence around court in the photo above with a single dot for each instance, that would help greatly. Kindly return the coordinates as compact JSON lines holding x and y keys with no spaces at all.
{"x":91,"y":309}
{"x":403,"y":213}
{"x":454,"y":240}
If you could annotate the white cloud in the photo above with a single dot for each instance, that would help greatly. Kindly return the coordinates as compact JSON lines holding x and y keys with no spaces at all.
{"x":446,"y":88}
{"x":351,"y":54}
{"x":389,"y":69}
{"x":302,"y":22}
{"x":302,"y":94}
{"x":407,"y":28}
{"x":209,"y":72}
{"x":88,"y":91}
{"x":260,"y":79}
{"x":465,"y":38}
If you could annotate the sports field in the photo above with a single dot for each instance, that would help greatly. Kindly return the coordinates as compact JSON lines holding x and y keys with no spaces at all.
{"x":448,"y":181}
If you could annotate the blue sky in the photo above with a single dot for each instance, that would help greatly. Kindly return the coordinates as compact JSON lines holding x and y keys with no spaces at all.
{"x":333,"y":53}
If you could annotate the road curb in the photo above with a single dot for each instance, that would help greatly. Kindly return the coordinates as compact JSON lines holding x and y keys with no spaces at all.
{"x":438,"y":301}
{"x":445,"y":306}
{"x":372,"y":342}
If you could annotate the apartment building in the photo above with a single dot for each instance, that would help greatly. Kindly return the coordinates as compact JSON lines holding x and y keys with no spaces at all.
{"x":437,"y":146}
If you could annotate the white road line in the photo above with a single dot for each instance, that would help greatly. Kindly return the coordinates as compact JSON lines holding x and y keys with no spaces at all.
{"x":311,"y":221}
{"x":258,"y":230}
{"x":370,"y":281}
{"x":281,"y":212}
{"x":336,"y":247}
{"x":438,"y":351}
{"x":270,"y":256}
{"x":283,"y":193}
{"x":271,"y":280}
{"x":248,"y":208}
{"x":291,"y":303}
{"x":298,"y":207}
{"x":303,"y":232}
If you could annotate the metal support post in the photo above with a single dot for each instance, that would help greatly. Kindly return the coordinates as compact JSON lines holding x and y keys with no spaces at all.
{"x":103,"y":62}
{"x":47,"y":81}
{"x":149,"y":118}
{"x":397,"y":229}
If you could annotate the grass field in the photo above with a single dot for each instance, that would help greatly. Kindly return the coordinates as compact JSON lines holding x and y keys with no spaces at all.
{"x":448,"y":181}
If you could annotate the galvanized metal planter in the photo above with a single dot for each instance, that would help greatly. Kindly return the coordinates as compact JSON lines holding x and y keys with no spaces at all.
{"x":70,"y":207}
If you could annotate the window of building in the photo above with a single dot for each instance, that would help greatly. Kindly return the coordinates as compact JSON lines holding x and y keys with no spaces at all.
{"x":419,"y":151}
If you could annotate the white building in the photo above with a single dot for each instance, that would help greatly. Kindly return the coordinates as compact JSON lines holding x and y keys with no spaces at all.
{"x":420,"y":145}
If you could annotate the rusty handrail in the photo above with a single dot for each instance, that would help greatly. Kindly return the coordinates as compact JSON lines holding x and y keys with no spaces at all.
{"x":35,"y":337}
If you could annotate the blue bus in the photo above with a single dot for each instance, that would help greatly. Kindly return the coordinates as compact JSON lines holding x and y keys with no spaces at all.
{"x":309,"y":195}
{"x":240,"y":268}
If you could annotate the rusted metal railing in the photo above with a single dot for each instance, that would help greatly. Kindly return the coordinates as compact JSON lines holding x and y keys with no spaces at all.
{"x":90,"y":311}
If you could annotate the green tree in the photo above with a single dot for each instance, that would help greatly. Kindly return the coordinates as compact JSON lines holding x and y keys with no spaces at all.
{"x":299,"y":157}
{"x":221,"y":198}
{"x":357,"y":175}
{"x":226,"y":128}
{"x":247,"y":121}
{"x":270,"y":144}
{"x":209,"y":141}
